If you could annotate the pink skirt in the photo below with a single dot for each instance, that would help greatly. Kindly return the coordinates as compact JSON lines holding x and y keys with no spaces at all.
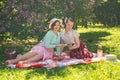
{"x":41,"y":49}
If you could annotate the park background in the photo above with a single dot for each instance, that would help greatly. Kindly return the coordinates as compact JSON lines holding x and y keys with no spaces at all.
{"x":23,"y":23}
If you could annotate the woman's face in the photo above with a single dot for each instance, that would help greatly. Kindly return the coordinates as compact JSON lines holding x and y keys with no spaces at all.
{"x":69,"y":25}
{"x":56,"y":26}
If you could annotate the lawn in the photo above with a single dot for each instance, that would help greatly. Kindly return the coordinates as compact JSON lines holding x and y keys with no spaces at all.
{"x":108,"y":37}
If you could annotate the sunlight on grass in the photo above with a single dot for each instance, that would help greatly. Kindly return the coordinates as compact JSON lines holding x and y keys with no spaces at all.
{"x":108,"y":37}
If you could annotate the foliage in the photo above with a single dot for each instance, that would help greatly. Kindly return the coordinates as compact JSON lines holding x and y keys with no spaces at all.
{"x":16,"y":15}
{"x":21,"y":17}
{"x":108,"y":13}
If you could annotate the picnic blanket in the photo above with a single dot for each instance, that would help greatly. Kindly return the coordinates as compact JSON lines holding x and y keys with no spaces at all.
{"x":80,"y":55}
{"x":50,"y":63}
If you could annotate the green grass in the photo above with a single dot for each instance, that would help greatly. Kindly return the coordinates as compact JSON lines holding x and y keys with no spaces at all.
{"x":108,"y":37}
{"x":94,"y":71}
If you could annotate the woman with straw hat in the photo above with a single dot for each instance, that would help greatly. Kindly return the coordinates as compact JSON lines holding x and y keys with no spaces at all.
{"x":45,"y":48}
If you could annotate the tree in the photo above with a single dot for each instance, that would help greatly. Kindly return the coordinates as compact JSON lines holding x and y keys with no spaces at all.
{"x":108,"y":13}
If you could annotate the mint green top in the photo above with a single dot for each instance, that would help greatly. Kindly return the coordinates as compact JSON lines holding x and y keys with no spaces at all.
{"x":51,"y":39}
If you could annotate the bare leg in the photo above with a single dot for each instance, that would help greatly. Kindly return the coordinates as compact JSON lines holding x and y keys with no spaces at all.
{"x":23,"y":57}
{"x":36,"y":57}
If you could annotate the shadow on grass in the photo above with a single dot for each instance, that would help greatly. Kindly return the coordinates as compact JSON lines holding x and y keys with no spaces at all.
{"x":93,"y":38}
{"x":102,"y":26}
{"x":61,"y":72}
{"x":44,"y":74}
{"x":52,"y":73}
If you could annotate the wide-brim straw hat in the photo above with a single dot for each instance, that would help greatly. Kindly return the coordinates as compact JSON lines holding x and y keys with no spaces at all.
{"x":111,"y":58}
{"x":53,"y":20}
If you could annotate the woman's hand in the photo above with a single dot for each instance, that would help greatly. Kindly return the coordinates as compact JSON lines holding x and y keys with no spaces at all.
{"x":70,"y":46}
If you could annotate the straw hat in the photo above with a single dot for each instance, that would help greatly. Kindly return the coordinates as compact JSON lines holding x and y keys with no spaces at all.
{"x":111,"y":57}
{"x":53,"y":20}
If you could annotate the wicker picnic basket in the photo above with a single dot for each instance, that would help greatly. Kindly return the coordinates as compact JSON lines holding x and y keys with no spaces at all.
{"x":10,"y":53}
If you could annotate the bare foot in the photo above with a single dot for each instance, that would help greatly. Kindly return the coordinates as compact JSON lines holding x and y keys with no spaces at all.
{"x":12,"y":61}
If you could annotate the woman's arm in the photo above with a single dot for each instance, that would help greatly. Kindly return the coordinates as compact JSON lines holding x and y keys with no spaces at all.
{"x":77,"y":43}
{"x":60,"y":45}
{"x":48,"y":38}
